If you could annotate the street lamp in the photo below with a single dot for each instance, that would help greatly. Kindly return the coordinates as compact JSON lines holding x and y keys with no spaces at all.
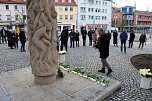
{"x":115,"y":18}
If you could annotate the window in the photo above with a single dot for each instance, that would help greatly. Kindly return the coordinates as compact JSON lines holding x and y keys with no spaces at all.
{"x":60,"y":17}
{"x":0,"y":17}
{"x":99,"y":10}
{"x":105,"y":10}
{"x":59,"y":28}
{"x":16,"y":17}
{"x":60,"y":8}
{"x":63,"y":1}
{"x":96,"y":17}
{"x":96,"y":10}
{"x":15,"y":6}
{"x":105,"y":18}
{"x":71,"y":8}
{"x":71,"y":17}
{"x":91,"y":1}
{"x":89,"y":9}
{"x":92,"y":9}
{"x":82,"y":17}
{"x":7,"y":7}
{"x":82,"y":9}
{"x":105,"y":3}
{"x":8,"y":17}
{"x":99,"y":2}
{"x":102,"y":10}
{"x":66,"y":17}
{"x":91,"y":17}
{"x":24,"y":17}
{"x":66,"y":8}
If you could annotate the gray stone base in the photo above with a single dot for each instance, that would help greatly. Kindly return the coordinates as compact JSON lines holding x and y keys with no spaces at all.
{"x":19,"y":85}
{"x":44,"y":80}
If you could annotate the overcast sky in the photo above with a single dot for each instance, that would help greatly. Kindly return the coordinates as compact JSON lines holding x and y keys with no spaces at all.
{"x":140,"y":4}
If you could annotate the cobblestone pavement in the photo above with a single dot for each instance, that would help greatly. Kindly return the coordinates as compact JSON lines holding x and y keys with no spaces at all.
{"x":11,"y":59}
{"x":88,"y":58}
{"x":124,"y":71}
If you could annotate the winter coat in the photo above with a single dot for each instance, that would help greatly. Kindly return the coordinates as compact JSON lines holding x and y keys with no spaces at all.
{"x":103,"y":46}
{"x":84,"y":33}
{"x":94,"y":36}
{"x":115,"y":36}
{"x":142,"y":38}
{"x":123,"y":36}
{"x":22,"y":37}
{"x":132,"y":37}
{"x":64,"y":36}
{"x":77,"y":36}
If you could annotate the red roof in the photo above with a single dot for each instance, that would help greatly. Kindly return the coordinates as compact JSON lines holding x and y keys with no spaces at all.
{"x":12,"y":1}
{"x":66,"y":3}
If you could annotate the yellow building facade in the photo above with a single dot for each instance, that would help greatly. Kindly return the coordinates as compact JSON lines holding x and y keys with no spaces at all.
{"x":67,"y":14}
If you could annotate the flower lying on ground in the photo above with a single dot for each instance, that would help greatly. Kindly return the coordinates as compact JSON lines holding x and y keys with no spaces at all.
{"x":62,"y":52}
{"x":145,"y":72}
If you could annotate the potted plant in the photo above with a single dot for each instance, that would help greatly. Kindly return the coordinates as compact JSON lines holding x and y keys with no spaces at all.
{"x":146,"y":78}
{"x":62,"y":55}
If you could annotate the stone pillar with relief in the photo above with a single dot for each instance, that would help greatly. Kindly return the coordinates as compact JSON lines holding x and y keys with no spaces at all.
{"x":41,"y":21}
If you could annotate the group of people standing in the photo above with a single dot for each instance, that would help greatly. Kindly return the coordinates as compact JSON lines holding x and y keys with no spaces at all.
{"x":74,"y":37}
{"x":123,"y":39}
{"x":11,"y":37}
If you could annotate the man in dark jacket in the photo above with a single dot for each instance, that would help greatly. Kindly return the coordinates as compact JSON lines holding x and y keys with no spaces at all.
{"x":142,"y":40}
{"x":103,"y":46}
{"x":22,"y":39}
{"x":131,"y":39}
{"x":64,"y":38}
{"x":90,"y":32}
{"x":3,"y":35}
{"x":72,"y":38}
{"x":84,"y":33}
{"x":123,"y":39}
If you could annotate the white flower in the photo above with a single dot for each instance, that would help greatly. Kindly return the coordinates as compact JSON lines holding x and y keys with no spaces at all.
{"x":62,"y":52}
{"x":145,"y":72}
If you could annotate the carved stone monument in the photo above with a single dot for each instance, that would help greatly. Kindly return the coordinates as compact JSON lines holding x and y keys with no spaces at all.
{"x":41,"y":21}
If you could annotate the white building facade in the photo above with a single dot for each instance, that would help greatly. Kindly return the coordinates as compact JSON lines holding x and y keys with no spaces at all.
{"x":12,"y":13}
{"x":94,"y":14}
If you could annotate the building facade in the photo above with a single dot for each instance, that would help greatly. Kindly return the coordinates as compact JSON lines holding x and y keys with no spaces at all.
{"x":129,"y":18}
{"x":67,"y":10}
{"x":12,"y":13}
{"x":94,"y":14}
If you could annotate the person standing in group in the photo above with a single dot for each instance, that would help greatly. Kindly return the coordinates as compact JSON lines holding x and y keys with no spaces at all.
{"x":16,"y":39}
{"x":57,"y":40}
{"x":64,"y":38}
{"x":77,"y":38}
{"x":131,"y":39}
{"x":109,"y":35}
{"x":115,"y":38}
{"x":90,"y":32}
{"x":72,"y":38}
{"x":3,"y":35}
{"x":142,"y":40}
{"x":123,"y":39}
{"x":84,"y":33}
{"x":103,"y":46}
{"x":94,"y":38}
{"x":22,"y":39}
{"x":11,"y":39}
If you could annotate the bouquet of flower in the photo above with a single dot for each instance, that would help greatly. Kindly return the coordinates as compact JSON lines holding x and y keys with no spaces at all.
{"x":145,"y":72}
{"x":62,"y":52}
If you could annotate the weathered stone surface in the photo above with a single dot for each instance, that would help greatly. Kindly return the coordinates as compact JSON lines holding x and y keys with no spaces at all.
{"x":70,"y":88}
{"x":41,"y":21}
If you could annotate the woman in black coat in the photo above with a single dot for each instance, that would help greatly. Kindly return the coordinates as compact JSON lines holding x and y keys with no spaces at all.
{"x":77,"y":38}
{"x":115,"y":36}
{"x":142,"y":40}
{"x":11,"y":39}
{"x":131,"y":39}
{"x":103,"y":46}
{"x":22,"y":39}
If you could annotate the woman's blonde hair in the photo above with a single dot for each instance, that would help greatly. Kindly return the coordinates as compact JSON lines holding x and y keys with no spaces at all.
{"x":101,"y":31}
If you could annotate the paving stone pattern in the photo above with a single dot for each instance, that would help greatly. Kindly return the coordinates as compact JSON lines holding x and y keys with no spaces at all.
{"x":88,"y":58}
